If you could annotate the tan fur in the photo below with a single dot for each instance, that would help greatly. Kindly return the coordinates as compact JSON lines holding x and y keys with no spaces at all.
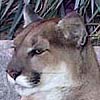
{"x":68,"y":61}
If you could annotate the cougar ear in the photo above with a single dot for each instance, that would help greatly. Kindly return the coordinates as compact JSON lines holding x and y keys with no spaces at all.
{"x":73,"y":29}
{"x":29,"y":15}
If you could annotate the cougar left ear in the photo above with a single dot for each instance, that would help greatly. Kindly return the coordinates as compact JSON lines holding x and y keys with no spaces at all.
{"x":29,"y":15}
{"x":73,"y":30}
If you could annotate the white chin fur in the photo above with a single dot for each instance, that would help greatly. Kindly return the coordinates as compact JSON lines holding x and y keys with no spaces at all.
{"x":22,"y":80}
{"x":26,"y":91}
{"x":22,"y":87}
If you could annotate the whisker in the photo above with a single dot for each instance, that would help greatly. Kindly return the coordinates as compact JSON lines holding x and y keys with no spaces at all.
{"x":53,"y":73}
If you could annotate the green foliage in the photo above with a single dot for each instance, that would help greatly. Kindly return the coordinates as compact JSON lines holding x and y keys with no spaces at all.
{"x":11,"y":13}
{"x":90,"y":10}
{"x":10,"y":16}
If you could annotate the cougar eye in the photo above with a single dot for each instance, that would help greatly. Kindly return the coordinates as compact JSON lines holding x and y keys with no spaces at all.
{"x":35,"y":52}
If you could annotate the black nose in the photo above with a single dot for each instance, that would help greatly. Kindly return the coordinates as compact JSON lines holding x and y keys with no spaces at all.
{"x":13,"y":73}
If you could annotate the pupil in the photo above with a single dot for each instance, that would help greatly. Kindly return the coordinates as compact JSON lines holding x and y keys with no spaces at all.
{"x":38,"y":51}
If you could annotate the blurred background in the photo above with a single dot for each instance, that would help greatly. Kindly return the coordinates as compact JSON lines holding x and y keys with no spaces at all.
{"x":11,"y":18}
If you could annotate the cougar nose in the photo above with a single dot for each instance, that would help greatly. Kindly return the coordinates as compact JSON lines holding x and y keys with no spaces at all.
{"x":13,"y":73}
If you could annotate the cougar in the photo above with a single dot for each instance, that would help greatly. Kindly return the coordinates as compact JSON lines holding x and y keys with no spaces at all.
{"x":54,"y":60}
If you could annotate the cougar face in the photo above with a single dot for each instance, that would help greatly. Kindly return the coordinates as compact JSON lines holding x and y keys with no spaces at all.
{"x":47,"y":55}
{"x":38,"y":58}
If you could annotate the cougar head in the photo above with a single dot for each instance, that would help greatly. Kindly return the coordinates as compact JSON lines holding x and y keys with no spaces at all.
{"x":43,"y":55}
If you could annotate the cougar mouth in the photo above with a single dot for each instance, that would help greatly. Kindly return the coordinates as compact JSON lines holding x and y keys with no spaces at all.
{"x":22,"y":85}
